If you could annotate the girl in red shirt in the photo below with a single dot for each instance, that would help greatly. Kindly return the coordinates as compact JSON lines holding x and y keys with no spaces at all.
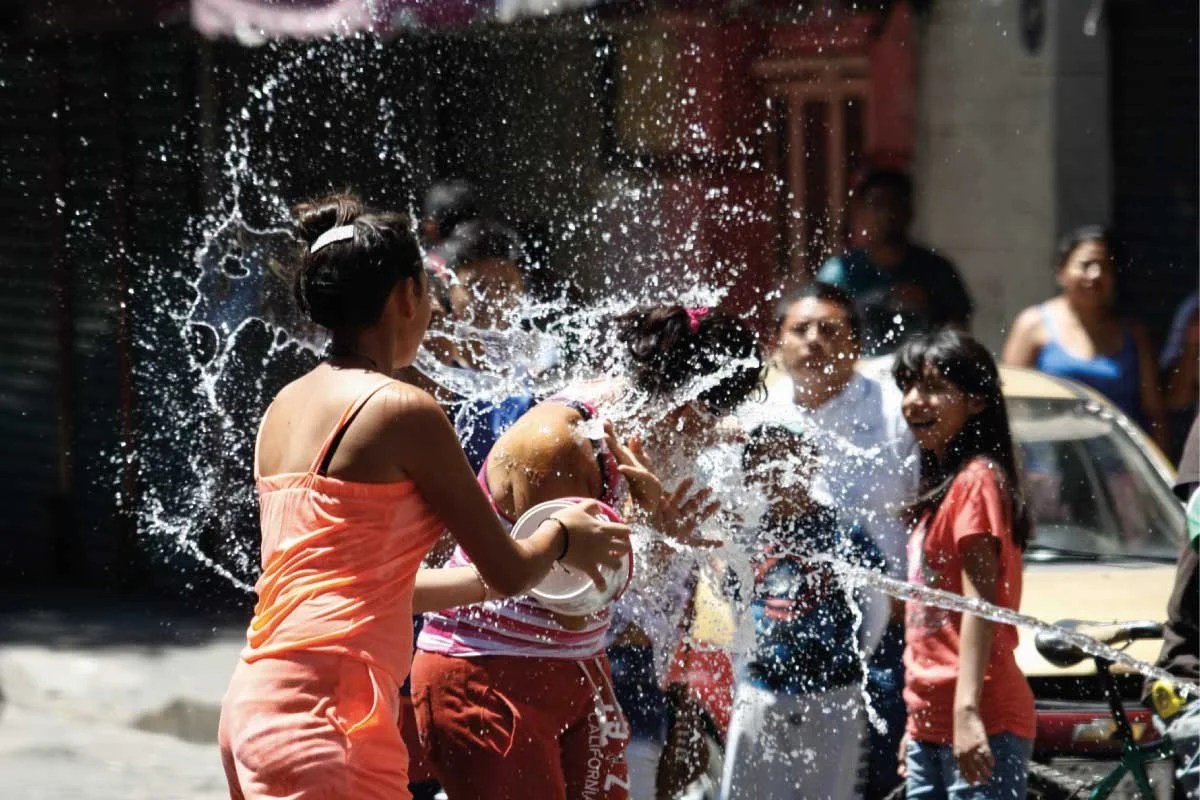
{"x":971,"y":718}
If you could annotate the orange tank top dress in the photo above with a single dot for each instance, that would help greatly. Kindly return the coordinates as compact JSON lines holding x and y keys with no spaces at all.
{"x":311,"y":710}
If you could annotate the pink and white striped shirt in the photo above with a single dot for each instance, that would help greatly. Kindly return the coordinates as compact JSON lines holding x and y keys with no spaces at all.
{"x":520,"y":626}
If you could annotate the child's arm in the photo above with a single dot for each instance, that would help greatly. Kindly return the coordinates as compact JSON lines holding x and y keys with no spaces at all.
{"x":981,"y":571}
{"x":448,"y":587}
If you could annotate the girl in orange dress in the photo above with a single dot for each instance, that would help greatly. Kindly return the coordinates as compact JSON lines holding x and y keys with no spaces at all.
{"x":358,"y":475}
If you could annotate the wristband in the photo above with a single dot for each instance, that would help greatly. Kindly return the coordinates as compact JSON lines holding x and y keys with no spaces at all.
{"x":566,"y":538}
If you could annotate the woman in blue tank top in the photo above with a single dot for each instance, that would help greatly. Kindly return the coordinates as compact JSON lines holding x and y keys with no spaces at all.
{"x":1079,"y":335}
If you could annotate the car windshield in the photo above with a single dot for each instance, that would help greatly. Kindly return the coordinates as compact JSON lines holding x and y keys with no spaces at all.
{"x":1093,"y":492}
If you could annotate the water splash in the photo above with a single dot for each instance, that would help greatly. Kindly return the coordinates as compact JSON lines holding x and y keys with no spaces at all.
{"x":234,"y":339}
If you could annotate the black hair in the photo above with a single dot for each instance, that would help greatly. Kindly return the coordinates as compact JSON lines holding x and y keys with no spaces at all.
{"x":480,"y":239}
{"x":344,"y":285}
{"x":450,"y":203}
{"x":964,"y":362}
{"x":1085,"y":233}
{"x":666,"y":353}
{"x":894,"y":180}
{"x":769,"y":435}
{"x":825,"y":292}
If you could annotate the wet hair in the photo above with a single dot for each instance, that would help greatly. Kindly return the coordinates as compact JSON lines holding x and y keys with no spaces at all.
{"x":450,"y":203}
{"x":481,"y":239}
{"x":890,"y":179}
{"x":1085,"y":233}
{"x":768,"y":439}
{"x":345,"y":284}
{"x":964,"y":362}
{"x":666,"y":354}
{"x":826,"y":293}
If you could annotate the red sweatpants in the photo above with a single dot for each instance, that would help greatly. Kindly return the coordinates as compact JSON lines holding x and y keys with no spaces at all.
{"x":511,"y":728}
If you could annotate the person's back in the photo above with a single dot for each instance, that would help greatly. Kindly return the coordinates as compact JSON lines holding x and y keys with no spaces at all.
{"x":335,"y":509}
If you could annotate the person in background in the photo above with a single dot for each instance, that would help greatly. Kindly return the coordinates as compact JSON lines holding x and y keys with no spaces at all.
{"x":486,"y":259}
{"x":900,"y":288}
{"x":971,"y":718}
{"x":868,"y":472}
{"x":797,"y":730}
{"x":1079,"y":334}
{"x":1177,"y":715}
{"x":1180,"y":363}
{"x":448,"y":203}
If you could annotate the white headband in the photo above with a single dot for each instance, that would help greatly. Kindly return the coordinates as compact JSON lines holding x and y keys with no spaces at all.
{"x":335,"y":234}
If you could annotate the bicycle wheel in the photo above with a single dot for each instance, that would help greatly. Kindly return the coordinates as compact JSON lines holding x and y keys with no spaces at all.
{"x":1047,"y":783}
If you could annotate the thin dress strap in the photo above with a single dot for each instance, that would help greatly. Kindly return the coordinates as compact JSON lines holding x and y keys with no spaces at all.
{"x":1049,"y":323}
{"x":319,"y":465}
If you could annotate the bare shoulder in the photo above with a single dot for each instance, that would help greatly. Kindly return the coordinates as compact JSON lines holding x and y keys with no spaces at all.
{"x":1026,"y":337}
{"x":1030,"y":324}
{"x":405,"y":405}
{"x":548,"y":432}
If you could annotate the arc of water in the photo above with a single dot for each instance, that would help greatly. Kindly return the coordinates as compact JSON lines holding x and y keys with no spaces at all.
{"x":981,"y":608}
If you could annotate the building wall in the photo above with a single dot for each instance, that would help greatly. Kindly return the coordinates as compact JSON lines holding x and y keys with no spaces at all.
{"x":1012,"y":147}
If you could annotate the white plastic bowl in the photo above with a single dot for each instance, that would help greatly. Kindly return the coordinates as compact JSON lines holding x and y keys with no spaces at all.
{"x":566,"y":591}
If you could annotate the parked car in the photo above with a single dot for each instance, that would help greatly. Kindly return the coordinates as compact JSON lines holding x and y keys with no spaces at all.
{"x":1108,"y":531}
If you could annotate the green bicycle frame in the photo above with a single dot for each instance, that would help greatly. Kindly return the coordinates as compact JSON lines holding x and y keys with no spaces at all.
{"x":1134,"y":757}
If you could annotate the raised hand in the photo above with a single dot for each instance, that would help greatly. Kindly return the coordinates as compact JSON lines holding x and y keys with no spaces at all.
{"x":683,"y":511}
{"x":644,"y":486}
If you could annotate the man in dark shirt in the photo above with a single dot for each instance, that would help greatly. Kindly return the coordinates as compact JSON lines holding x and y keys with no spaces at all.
{"x":1180,"y":655}
{"x":901,"y":289}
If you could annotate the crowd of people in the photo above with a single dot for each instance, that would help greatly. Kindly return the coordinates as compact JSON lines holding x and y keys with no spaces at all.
{"x":386,"y":503}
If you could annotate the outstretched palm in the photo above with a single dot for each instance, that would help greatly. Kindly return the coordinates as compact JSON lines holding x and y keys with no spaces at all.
{"x":678,"y":514}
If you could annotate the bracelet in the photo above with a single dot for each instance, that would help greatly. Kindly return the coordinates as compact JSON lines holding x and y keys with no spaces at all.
{"x":566,"y":537}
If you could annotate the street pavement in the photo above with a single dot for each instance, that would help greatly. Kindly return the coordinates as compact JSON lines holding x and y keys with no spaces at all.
{"x":107,"y":700}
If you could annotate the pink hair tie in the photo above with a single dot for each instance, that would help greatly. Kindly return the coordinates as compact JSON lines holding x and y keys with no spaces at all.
{"x":694,"y":317}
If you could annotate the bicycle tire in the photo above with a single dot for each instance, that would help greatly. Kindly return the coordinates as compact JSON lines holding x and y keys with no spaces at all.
{"x":1047,"y":783}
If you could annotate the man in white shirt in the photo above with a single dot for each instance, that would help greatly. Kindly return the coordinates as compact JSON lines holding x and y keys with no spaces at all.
{"x":869,"y":469}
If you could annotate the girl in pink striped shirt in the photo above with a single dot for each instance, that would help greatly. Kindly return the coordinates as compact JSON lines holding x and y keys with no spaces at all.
{"x":512,"y":699}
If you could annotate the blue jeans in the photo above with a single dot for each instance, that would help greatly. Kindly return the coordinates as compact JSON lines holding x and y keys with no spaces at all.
{"x":933,"y":772}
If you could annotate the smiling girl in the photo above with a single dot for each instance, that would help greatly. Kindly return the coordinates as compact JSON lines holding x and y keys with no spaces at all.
{"x":970,"y":710}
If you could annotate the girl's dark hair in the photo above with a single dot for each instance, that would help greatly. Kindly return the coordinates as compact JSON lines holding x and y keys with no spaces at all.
{"x":481,"y":239}
{"x":449,"y":203}
{"x":770,"y":439}
{"x":667,"y":354}
{"x":964,"y":362}
{"x":1085,"y":233}
{"x":344,"y":285}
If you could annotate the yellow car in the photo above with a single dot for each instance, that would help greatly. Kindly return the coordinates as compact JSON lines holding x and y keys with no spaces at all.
{"x":1108,"y":531}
